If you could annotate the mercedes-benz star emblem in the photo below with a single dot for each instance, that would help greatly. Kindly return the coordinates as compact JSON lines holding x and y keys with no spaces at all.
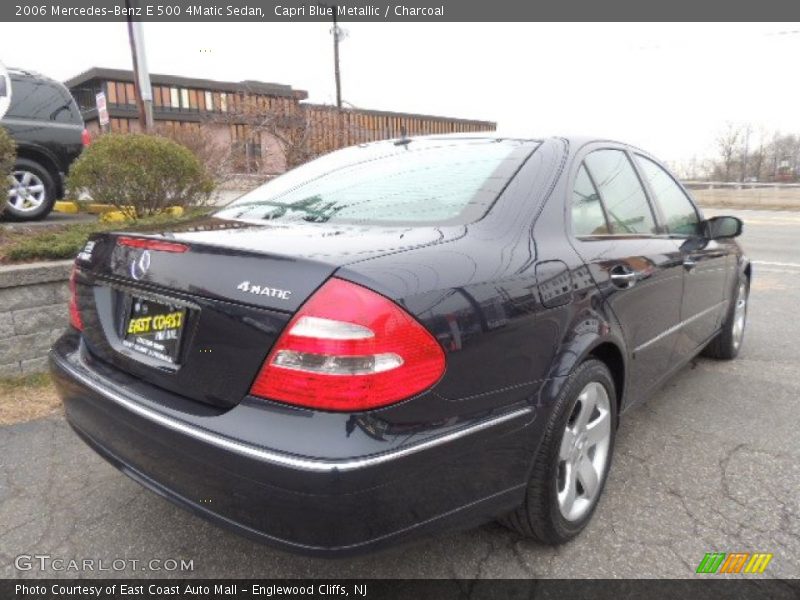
{"x":141,"y":265}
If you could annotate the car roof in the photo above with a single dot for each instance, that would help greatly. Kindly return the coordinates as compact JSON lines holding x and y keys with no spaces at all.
{"x":18,"y":73}
{"x":575,"y":141}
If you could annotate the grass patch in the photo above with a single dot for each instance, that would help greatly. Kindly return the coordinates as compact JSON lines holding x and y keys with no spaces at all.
{"x":65,"y":241}
{"x":26,"y":398}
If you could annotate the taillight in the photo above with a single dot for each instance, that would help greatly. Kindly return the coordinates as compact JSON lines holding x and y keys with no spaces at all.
{"x":349,"y":348}
{"x":151,"y":244}
{"x":74,"y":313}
{"x":86,"y":138}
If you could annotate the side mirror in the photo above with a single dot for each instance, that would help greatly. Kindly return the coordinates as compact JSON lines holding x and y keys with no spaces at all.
{"x":720,"y":228}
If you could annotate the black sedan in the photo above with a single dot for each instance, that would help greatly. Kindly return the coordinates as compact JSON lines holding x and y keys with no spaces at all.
{"x":399,"y":338}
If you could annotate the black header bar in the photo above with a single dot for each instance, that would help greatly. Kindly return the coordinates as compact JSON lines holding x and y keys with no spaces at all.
{"x":287,"y":11}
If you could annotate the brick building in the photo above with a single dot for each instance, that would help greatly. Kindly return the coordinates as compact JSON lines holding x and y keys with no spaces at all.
{"x":234,"y":113}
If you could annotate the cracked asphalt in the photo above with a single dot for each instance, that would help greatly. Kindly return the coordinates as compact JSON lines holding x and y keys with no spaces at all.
{"x":710,"y":463}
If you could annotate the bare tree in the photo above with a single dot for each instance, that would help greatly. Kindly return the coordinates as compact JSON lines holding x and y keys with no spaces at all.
{"x":728,"y":143}
{"x":215,"y":154}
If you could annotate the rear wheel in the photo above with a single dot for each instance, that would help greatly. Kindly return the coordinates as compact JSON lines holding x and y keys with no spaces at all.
{"x":570,"y":468}
{"x":729,"y":340}
{"x":32,"y":192}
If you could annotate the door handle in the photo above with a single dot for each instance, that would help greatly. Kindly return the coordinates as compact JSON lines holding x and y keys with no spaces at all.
{"x":689,"y":263}
{"x":623,"y":277}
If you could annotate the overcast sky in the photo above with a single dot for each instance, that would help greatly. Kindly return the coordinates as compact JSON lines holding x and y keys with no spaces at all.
{"x":669,"y":88}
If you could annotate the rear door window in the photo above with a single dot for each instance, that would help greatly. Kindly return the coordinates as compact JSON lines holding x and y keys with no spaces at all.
{"x":679,"y":212}
{"x":588,"y":216}
{"x":621,"y":191}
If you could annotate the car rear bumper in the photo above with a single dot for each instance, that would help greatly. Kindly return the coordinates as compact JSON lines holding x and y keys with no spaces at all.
{"x":348,"y":503}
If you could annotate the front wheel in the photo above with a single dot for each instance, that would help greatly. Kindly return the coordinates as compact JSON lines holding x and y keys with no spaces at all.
{"x":570,"y":469}
{"x":729,"y":340}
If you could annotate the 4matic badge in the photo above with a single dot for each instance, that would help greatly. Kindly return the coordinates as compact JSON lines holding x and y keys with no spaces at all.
{"x":264,"y":290}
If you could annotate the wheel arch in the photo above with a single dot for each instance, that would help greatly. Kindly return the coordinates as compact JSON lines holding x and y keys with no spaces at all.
{"x":611,"y":355}
{"x":47,"y":162}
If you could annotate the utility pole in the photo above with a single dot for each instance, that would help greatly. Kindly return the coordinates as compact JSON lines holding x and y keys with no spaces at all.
{"x":141,"y":75}
{"x":336,"y":33}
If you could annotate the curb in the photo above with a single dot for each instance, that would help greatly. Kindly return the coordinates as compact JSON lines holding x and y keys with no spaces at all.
{"x":66,"y":206}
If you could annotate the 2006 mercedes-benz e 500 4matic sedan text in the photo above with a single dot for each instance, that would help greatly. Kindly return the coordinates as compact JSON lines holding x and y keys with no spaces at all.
{"x":400,"y":337}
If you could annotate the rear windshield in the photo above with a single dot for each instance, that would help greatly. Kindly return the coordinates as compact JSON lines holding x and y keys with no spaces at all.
{"x":420,"y":182}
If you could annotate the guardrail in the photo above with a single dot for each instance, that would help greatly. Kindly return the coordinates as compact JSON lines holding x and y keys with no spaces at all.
{"x":737,"y":185}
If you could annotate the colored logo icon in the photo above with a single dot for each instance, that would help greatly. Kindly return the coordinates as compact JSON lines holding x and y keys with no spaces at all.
{"x":720,"y":563}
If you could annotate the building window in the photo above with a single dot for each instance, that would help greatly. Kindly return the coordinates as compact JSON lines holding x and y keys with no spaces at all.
{"x":209,"y":101}
{"x":193,"y":99}
{"x":223,"y":102}
{"x":130,"y":94}
{"x":122,"y":125}
{"x":174,"y":98}
{"x":111,"y":86}
{"x":184,"y":98}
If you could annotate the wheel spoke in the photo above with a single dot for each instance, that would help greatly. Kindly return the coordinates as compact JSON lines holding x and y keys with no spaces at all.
{"x":597,"y":431}
{"x":588,"y":400}
{"x":587,"y":476}
{"x":26,"y":178}
{"x":35,"y":189}
{"x":566,"y":497}
{"x":567,"y":442}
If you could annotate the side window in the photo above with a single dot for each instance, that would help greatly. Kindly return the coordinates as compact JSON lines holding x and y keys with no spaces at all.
{"x":588,"y":217}
{"x":621,"y":191}
{"x":39,"y":100}
{"x":678,"y":211}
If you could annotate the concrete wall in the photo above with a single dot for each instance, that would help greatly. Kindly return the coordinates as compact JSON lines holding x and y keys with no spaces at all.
{"x":33,"y":314}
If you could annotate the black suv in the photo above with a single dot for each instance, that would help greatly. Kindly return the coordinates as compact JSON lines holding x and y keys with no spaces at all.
{"x":46,"y":124}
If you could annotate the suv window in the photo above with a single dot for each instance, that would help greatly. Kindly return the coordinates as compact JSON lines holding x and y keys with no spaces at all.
{"x":41,"y":101}
{"x":621,"y":191}
{"x":679,"y":213}
{"x":588,"y":216}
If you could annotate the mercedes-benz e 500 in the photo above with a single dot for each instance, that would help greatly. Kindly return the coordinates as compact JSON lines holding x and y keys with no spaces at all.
{"x":400,"y":337}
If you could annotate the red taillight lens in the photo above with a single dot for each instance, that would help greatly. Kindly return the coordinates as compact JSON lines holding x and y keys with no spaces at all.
{"x":349,"y":348}
{"x":151,"y":244}
{"x":86,"y":138}
{"x":74,"y":313}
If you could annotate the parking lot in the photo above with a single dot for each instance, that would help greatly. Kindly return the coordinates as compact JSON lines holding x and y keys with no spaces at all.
{"x":711,"y":463}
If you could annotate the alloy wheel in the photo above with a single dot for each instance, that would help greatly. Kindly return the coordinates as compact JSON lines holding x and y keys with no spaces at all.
{"x":27,"y":193}
{"x":583,"y":452}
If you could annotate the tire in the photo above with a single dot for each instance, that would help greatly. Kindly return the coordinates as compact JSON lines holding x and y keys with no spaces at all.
{"x":543,"y":516}
{"x":34,"y":193}
{"x":728,"y":342}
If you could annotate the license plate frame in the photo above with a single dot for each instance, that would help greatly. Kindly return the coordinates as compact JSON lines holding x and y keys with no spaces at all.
{"x":154,"y":328}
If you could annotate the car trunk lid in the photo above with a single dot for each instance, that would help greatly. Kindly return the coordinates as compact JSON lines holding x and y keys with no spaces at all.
{"x":196,"y":312}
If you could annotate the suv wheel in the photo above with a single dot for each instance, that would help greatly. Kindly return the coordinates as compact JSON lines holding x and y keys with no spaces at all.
{"x":32,"y":192}
{"x":571,"y":466}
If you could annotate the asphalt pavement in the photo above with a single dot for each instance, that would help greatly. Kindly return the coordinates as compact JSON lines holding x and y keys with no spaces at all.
{"x":710,"y":464}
